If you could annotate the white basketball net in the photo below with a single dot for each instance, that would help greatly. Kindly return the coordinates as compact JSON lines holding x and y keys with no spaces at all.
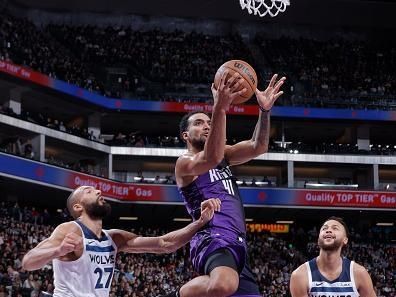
{"x":264,"y":7}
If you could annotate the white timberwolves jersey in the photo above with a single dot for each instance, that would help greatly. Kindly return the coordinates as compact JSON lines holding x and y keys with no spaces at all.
{"x":92,"y":273}
{"x":343,"y":286}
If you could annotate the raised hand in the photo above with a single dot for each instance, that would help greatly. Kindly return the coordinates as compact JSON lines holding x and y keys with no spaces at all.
{"x":267,"y":98}
{"x":71,"y":243}
{"x":227,"y":90}
{"x":208,"y":207}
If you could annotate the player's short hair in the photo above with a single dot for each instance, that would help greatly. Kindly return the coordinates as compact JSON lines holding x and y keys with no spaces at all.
{"x":339,"y":220}
{"x":71,"y":200}
{"x":183,"y":125}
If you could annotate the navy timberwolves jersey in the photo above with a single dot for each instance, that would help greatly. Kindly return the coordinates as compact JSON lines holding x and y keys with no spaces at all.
{"x":217,"y":183}
{"x":92,"y":273}
{"x":343,"y":286}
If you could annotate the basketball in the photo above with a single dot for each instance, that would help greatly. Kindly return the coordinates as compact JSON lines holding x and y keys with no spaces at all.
{"x":246,"y":71}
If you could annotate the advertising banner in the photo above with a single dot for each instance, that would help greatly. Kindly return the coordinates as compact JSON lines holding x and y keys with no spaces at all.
{"x":37,"y":172}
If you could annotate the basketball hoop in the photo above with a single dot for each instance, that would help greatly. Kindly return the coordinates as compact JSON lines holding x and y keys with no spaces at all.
{"x":264,"y":7}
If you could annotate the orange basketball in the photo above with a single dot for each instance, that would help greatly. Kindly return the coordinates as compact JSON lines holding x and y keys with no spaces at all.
{"x":246,"y":71}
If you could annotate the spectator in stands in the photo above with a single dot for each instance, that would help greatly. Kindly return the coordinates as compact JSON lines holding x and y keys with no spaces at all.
{"x":171,"y":60}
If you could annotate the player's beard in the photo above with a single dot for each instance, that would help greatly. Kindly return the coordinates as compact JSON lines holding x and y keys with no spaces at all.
{"x":96,"y":211}
{"x":334,"y":246}
{"x":199,"y":143}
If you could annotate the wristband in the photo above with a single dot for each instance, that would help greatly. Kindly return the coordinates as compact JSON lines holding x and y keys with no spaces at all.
{"x":263,"y":110}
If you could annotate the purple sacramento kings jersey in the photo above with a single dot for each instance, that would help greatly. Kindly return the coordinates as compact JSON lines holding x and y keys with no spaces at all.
{"x":217,"y":183}
{"x":227,"y":228}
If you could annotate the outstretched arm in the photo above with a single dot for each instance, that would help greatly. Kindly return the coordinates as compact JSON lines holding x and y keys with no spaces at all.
{"x":62,"y":241}
{"x":168,"y":243}
{"x":213,"y":151}
{"x":246,"y":150}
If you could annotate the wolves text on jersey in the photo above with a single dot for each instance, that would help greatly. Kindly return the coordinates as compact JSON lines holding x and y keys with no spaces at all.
{"x":101,"y":259}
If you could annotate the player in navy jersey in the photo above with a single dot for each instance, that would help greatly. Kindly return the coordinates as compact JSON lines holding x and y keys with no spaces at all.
{"x":219,"y":251}
{"x":84,"y":255}
{"x":330,"y":274}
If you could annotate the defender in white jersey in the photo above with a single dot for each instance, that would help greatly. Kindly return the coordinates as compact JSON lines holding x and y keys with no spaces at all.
{"x":84,"y":255}
{"x":93,"y":270}
{"x":329,"y":274}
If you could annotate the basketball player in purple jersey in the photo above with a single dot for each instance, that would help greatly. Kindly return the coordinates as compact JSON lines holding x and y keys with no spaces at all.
{"x":219,"y":251}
